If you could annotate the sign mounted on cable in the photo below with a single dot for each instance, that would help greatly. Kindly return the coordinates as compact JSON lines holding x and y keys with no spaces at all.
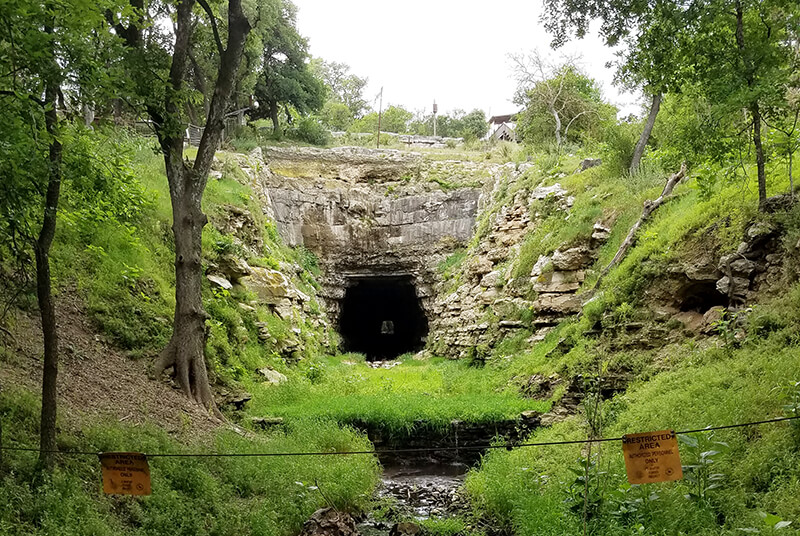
{"x":652,"y":457}
{"x":125,"y":473}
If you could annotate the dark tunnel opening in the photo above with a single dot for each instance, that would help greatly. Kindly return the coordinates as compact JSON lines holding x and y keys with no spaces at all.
{"x":701,"y":296}
{"x":381,"y":317}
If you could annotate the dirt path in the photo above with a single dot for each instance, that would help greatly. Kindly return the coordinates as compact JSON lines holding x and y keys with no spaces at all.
{"x":95,"y":379}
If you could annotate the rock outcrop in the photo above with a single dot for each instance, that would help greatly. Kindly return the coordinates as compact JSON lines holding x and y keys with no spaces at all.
{"x":329,"y":522}
{"x":371,"y":213}
{"x":471,"y":318}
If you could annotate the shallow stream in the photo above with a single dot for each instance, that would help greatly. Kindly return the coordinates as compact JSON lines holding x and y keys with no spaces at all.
{"x":419,"y":492}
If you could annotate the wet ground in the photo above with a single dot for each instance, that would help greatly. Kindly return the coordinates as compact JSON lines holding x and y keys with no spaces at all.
{"x":418,"y":492}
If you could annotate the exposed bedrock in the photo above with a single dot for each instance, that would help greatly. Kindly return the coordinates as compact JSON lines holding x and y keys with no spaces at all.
{"x":374,"y":222}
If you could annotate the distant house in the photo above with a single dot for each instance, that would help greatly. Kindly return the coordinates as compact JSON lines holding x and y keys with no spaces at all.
{"x":503,"y":127}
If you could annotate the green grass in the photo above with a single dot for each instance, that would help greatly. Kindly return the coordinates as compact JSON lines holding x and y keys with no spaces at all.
{"x":704,"y":386}
{"x":436,"y":391}
{"x":192,"y":496}
{"x":115,"y":247}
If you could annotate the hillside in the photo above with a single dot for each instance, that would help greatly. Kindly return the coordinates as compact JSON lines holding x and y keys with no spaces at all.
{"x":487,"y":326}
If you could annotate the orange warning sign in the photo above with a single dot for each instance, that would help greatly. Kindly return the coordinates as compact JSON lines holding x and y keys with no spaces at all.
{"x":125,"y":473}
{"x":652,"y":457}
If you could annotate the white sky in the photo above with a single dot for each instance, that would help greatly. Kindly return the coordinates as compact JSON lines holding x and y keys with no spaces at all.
{"x":454,"y":51}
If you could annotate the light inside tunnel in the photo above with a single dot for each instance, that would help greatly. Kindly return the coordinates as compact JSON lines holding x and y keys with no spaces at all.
{"x":381,"y":317}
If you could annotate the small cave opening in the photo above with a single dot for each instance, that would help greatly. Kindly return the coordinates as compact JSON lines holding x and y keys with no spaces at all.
{"x":381,"y":317}
{"x":700,"y":296}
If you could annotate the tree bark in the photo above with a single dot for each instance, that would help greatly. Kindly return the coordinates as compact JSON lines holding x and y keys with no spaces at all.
{"x":638,"y":152}
{"x":185,"y":351}
{"x":558,"y":124}
{"x":273,"y":114}
{"x":761,"y":164}
{"x":47,"y":443}
{"x":750,"y":76}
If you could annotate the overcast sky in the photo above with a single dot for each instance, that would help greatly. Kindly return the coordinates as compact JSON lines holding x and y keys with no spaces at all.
{"x":454,"y":51}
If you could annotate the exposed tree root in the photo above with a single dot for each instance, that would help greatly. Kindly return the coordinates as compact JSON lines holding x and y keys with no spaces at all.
{"x":189,"y":372}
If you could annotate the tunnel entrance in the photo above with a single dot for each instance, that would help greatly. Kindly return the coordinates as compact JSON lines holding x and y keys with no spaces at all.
{"x":381,"y":317}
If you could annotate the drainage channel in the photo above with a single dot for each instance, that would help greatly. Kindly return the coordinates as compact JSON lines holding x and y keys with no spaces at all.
{"x":428,"y":485}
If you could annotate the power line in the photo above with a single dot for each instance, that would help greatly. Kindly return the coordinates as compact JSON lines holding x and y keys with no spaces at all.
{"x":508,"y":446}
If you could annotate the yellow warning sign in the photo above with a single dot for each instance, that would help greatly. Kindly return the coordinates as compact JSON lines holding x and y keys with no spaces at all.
{"x":125,"y":473}
{"x":652,"y":457}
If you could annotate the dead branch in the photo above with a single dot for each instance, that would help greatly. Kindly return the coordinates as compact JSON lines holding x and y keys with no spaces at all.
{"x":649,"y":208}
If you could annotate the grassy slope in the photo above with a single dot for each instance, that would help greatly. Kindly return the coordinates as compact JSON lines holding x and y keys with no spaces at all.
{"x":684,"y":385}
{"x":192,"y":496}
{"x":114,"y":249}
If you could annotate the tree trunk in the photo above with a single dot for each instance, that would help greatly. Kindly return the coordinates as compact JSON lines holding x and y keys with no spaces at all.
{"x":750,"y":76}
{"x":760,"y":160}
{"x":185,"y":352}
{"x":186,"y":349}
{"x":558,"y":124}
{"x":273,"y":114}
{"x":649,"y":208}
{"x":44,"y":294}
{"x":638,"y":152}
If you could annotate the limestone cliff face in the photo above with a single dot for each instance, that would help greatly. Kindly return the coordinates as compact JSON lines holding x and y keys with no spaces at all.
{"x":369,"y":212}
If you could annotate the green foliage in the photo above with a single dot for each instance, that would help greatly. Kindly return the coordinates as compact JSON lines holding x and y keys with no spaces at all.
{"x":336,"y":115}
{"x":191,"y":496}
{"x":457,"y":124}
{"x":393,"y":119}
{"x":561,"y":103}
{"x":285,"y":77}
{"x":699,"y":473}
{"x":348,"y":391}
{"x":619,"y":141}
{"x":452,"y":263}
{"x":309,"y":130}
{"x":345,"y":92}
{"x":448,"y":526}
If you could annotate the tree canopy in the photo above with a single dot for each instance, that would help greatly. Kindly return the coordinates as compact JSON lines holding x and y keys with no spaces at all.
{"x":286,"y":77}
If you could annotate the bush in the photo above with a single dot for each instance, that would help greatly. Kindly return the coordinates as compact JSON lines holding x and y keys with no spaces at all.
{"x":618,"y":145}
{"x":309,"y":130}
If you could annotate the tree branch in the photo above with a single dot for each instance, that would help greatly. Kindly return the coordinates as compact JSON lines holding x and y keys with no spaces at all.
{"x":238,"y":28}
{"x":37,"y":100}
{"x":213,"y":20}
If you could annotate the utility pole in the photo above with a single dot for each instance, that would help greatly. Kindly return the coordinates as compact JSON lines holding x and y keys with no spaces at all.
{"x":380,"y":111}
{"x":435,"y":109}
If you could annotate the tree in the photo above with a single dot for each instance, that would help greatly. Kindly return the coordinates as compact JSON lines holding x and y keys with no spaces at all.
{"x":343,"y":87}
{"x":741,"y":55}
{"x":475,"y":125}
{"x":336,"y":115}
{"x":162,"y":88}
{"x":45,"y":48}
{"x":651,"y":32}
{"x":456,"y":124}
{"x":557,"y":97}
{"x":286,"y":77}
{"x":787,"y":132}
{"x":393,"y":119}
{"x":735,"y":54}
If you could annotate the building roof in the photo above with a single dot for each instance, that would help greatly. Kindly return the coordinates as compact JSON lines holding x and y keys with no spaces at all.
{"x":499,"y":119}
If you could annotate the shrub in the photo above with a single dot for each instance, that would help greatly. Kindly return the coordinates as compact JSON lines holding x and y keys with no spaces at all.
{"x":310,"y":130}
